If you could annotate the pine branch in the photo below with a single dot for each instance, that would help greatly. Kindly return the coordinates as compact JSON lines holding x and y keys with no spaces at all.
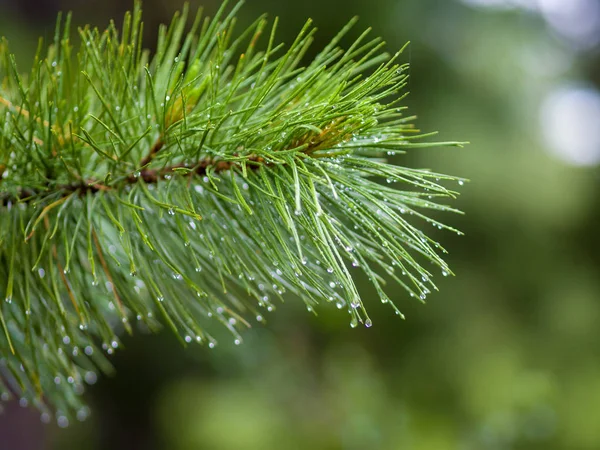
{"x":198,"y":186}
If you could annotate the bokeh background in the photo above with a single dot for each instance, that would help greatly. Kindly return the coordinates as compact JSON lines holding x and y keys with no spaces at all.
{"x":506,"y":356}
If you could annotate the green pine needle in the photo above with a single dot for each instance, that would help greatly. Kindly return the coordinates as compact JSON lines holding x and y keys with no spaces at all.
{"x":201,"y":185}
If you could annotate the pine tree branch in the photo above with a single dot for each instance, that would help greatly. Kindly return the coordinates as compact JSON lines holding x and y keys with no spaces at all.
{"x":197,"y":188}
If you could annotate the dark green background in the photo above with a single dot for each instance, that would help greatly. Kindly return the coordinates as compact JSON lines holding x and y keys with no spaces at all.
{"x":506,"y":356}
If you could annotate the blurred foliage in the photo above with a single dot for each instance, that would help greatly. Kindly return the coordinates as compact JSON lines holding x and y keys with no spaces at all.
{"x":506,"y":357}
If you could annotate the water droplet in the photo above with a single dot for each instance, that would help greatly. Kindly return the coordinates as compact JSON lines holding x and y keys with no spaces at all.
{"x":368,"y":323}
{"x":188,"y":339}
{"x":83,"y":414}
{"x":62,"y":422}
{"x":355,"y":304}
{"x":461,"y":182}
{"x":237,"y":342}
{"x":353,"y":322}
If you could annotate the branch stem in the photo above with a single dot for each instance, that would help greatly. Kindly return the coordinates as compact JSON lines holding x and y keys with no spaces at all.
{"x":148,"y":176}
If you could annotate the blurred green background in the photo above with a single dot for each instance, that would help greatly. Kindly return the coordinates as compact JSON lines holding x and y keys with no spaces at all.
{"x":506,"y":356}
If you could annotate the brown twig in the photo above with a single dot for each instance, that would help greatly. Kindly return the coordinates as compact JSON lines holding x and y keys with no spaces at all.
{"x":313,"y":142}
{"x":158,"y":145}
{"x":148,"y":176}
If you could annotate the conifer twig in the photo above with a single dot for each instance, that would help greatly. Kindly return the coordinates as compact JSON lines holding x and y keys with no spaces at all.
{"x":197,"y":188}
